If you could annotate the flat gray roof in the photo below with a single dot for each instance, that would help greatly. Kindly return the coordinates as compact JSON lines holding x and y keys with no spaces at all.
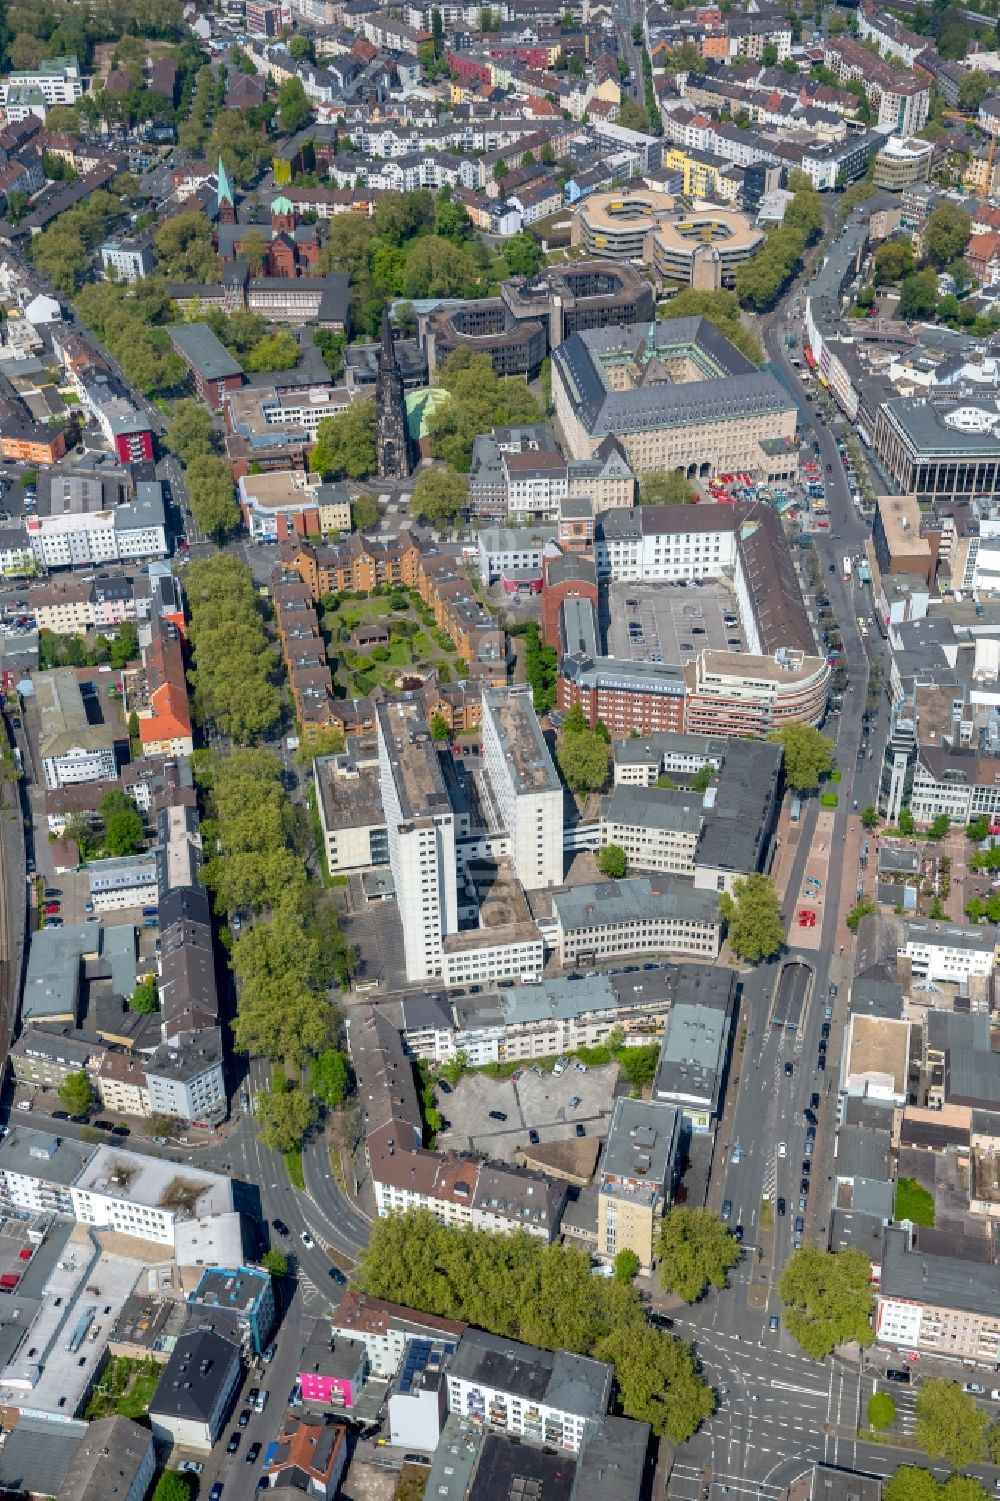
{"x":521,"y":740}
{"x":635,"y":899}
{"x":923,"y":1276}
{"x":572,"y":1383}
{"x":203,"y":351}
{"x":655,"y":808}
{"x":38,"y":1455}
{"x":40,"y":1154}
{"x":642,"y":1139}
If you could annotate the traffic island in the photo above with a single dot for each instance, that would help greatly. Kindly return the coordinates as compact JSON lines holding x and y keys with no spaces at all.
{"x":759,"y":1284}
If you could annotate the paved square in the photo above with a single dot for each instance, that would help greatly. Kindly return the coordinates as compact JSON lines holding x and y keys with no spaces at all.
{"x":533,"y":1102}
{"x":671,"y":622}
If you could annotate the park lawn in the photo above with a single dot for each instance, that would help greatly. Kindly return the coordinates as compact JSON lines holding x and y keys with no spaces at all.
{"x":914,"y":1202}
{"x":400,"y":655}
{"x":126,"y":1388}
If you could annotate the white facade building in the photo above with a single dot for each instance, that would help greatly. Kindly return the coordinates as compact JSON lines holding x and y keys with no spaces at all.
{"x":420,"y":825}
{"x":57,"y":80}
{"x":524,"y":782}
{"x":947,"y":951}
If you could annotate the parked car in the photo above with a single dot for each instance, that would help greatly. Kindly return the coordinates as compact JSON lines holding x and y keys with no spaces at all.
{"x":574,"y":1102}
{"x":781,"y":1206}
{"x":902,"y":1376}
{"x":773,"y":1323}
{"x":727,"y":1208}
{"x":581,"y":1129}
{"x":190,"y":1467}
{"x":498,"y":1115}
{"x":800,"y":1224}
{"x":253,"y":1454}
{"x":244,"y":1418}
{"x":533,"y":1137}
{"x":234,"y":1441}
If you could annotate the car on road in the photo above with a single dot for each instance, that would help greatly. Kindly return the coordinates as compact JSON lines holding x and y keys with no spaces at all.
{"x":253,"y":1454}
{"x":737,"y":1154}
{"x":104,"y":1125}
{"x":799,"y":1225}
{"x":234,"y":1441}
{"x":823,"y":1045}
{"x":190,"y":1467}
{"x":280,"y":1226}
{"x":533,"y":1137}
{"x":821,"y":1064}
{"x":498,"y":1115}
{"x":738,"y":1234}
{"x":789,"y":1070}
{"x":831,"y":990}
{"x":804,"y":1186}
{"x":995,"y":1394}
{"x":902,"y":1376}
{"x":727,"y":1208}
{"x":252,"y":1396}
{"x":824,"y":1030}
{"x":974,"y":1389}
{"x":814,"y":1101}
{"x":60,"y":1115}
{"x":782,"y":1149}
{"x":581,"y":1129}
{"x":215,"y":1494}
{"x":244,"y":1418}
{"x":781,"y":1207}
{"x":802,"y":1203}
{"x":773,"y":1323}
{"x":306,"y":1239}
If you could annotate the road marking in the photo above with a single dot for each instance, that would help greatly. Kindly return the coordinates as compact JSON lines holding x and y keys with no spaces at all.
{"x":806,"y":1391}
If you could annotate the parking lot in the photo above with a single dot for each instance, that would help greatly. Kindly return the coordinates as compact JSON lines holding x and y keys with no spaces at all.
{"x":672,"y":622}
{"x":532,"y":1102}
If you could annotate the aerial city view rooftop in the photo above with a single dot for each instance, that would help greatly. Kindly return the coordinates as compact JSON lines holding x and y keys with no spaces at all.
{"x":500,"y":751}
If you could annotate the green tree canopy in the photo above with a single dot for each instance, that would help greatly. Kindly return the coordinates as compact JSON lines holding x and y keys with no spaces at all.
{"x":283,"y":1118}
{"x":190,"y":433}
{"x":345,"y":443}
{"x":808,"y":755}
{"x":517,"y":1287}
{"x":77,"y":1094}
{"x":184,"y":251}
{"x":328,"y":1076}
{"x":439,"y":496}
{"x":275,"y":1262}
{"x":627,"y":1264}
{"x":919,"y":295}
{"x":828,"y":1299}
{"x":946,"y":233}
{"x":611,"y":862}
{"x":696,"y":1252}
{"x":213,"y":500}
{"x":172,"y":1486}
{"x":660,"y":488}
{"x":277,"y":351}
{"x":234,"y":663}
{"x":145,"y":997}
{"x":478,"y":401}
{"x":756,"y":930}
{"x":522,"y":253}
{"x":949,"y":1424}
{"x":583,"y":757}
{"x":294,"y":108}
{"x":893,"y":261}
{"x":974,"y":87}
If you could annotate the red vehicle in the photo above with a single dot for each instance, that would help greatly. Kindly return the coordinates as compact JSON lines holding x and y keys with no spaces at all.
{"x":9,"y":1281}
{"x":51,"y":908}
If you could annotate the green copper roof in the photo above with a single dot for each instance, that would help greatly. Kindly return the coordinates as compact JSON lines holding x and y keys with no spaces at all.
{"x":281,"y":205}
{"x":224,"y":193}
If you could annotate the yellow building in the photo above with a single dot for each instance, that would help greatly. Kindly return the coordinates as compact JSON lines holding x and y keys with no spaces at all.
{"x":699,"y":176}
{"x":637,"y":1178}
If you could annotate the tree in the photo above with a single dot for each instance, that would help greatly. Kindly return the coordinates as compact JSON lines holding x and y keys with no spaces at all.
{"x":440,"y":728}
{"x":17,"y":205}
{"x":123,"y":830}
{"x":328,"y":1076}
{"x":145,"y":997}
{"x":769,"y":54}
{"x":658,"y":488}
{"x":302,"y":49}
{"x":364,"y":512}
{"x":277,"y":351}
{"x":77,"y":1094}
{"x":949,"y":1424}
{"x":583,"y":757}
{"x":172,"y":1486}
{"x":626,"y":1264}
{"x":213,"y":502}
{"x":870,"y":817}
{"x":345,"y":443}
{"x":478,"y":401}
{"x":702,"y":778}
{"x":632,"y":115}
{"x":939,"y":826}
{"x":946,"y":234}
{"x":756,"y":930}
{"x":184,"y":250}
{"x":294,"y":108}
{"x":658,"y":1381}
{"x":808,"y":755}
{"x":918,"y":295}
{"x":523,"y":253}
{"x":911,"y":1483}
{"x":190,"y":433}
{"x":993,"y":1442}
{"x":233,"y":659}
{"x":907,"y":823}
{"x":451,"y":221}
{"x":828,"y":1299}
{"x":125,"y":646}
{"x":881,"y":1411}
{"x":893,"y":261}
{"x":283,"y":1118}
{"x":437,"y":268}
{"x":611,"y":862}
{"x":696,"y":1252}
{"x":439,"y":496}
{"x":275,"y":1262}
{"x":974,"y":88}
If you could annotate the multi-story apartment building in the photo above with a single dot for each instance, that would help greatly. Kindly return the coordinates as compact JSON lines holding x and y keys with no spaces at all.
{"x":938,"y":1303}
{"x":637,"y":1178}
{"x":949,"y":951}
{"x":524,"y":782}
{"x":546,"y":1396}
{"x":78,"y":524}
{"x":657,"y":828}
{"x":58,"y":80}
{"x":70,"y":748}
{"x":421,"y":835}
